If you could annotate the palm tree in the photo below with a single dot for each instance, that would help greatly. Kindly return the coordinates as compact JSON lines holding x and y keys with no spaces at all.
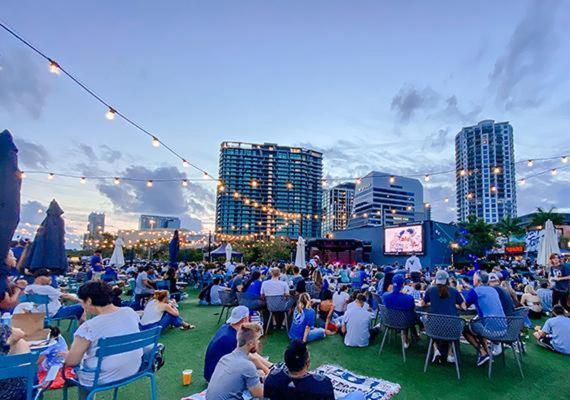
{"x":541,"y":216}
{"x":509,"y":227}
{"x":478,"y":234}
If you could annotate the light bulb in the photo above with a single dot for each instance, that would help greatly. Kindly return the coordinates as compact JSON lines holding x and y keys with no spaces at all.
{"x":22,"y":174}
{"x":83,"y":180}
{"x":184,"y":182}
{"x":446,"y":200}
{"x":462,"y":172}
{"x":522,"y":181}
{"x":554,"y":172}
{"x":110,"y":114}
{"x":289,"y":185}
{"x":427,"y":178}
{"x":497,"y":170}
{"x":149,"y":183}
{"x":493,"y":189}
{"x":392,"y":179}
{"x":50,"y":176}
{"x":156,"y":143}
{"x":185,"y":164}
{"x":426,"y":205}
{"x":358,"y":181}
{"x":54,"y":67}
{"x":117,"y":181}
{"x":253,"y":183}
{"x":564,"y":159}
{"x":324,"y":183}
{"x":530,"y":163}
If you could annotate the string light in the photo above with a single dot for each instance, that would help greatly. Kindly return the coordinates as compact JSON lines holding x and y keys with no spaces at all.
{"x":184,"y":182}
{"x":522,"y":181}
{"x":358,"y":181}
{"x":51,"y":175}
{"x":185,"y":164}
{"x":116,"y":181}
{"x":446,"y":200}
{"x":54,"y":67}
{"x":469,"y":196}
{"x":22,"y":174}
{"x":156,"y":143}
{"x":497,"y":170}
{"x":289,"y":185}
{"x":110,"y":114}
{"x":564,"y":159}
{"x":462,"y":172}
{"x":554,"y":172}
{"x":427,"y":205}
{"x":427,"y":178}
{"x":530,"y":163}
{"x":254,"y":183}
{"x":83,"y":180}
{"x":493,"y":189}
{"x":392,"y":179}
{"x":149,"y":183}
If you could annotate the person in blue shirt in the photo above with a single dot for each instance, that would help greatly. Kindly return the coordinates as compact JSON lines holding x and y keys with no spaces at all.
{"x":396,"y":300}
{"x":555,"y":334}
{"x":253,"y":286}
{"x":303,"y":324}
{"x":561,"y":278}
{"x":95,"y":262}
{"x":488,"y":304}
{"x":225,"y":340}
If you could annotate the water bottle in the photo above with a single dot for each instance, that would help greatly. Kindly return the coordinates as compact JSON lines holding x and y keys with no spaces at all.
{"x":7,"y":319}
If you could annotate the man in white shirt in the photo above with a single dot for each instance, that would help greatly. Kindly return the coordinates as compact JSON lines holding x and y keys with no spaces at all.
{"x":274,"y":286}
{"x":414,"y":267}
{"x":356,"y":323}
{"x":42,"y":286}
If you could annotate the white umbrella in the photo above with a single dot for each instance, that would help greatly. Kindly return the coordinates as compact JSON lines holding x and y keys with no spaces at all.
{"x":300,"y":256}
{"x":548,"y":244}
{"x":229,"y":252}
{"x":117,"y":258}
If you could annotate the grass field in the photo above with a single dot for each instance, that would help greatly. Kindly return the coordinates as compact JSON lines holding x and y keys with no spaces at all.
{"x":546,"y":374}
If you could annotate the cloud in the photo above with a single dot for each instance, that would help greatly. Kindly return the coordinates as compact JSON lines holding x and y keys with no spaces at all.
{"x":29,"y":212}
{"x":519,"y":75}
{"x":452,"y":111}
{"x":88,"y":151}
{"x":437,"y":140}
{"x":32,"y":155}
{"x":23,"y":83}
{"x":108,"y":154}
{"x":410,"y":100}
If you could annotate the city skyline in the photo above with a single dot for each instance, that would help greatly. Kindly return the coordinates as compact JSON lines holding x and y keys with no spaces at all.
{"x":350,"y":82}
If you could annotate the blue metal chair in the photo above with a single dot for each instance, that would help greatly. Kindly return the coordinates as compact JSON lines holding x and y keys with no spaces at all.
{"x":25,"y":366}
{"x":377,"y":301}
{"x":147,"y":340}
{"x":277,"y":304}
{"x":254,"y":303}
{"x":162,"y":285}
{"x":445,"y":328}
{"x":228,"y":301}
{"x":398,"y":321}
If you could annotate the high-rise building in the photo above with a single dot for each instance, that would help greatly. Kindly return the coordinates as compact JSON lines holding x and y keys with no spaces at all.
{"x":337,"y":207}
{"x":258,"y":177}
{"x":384,"y":199}
{"x":485,"y":177}
{"x":96,"y":224}
{"x":147,"y":222}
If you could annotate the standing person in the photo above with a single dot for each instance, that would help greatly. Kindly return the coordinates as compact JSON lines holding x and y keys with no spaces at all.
{"x":235,"y":372}
{"x":414,"y":267}
{"x":555,"y":334}
{"x":561,"y":278}
{"x":356,"y":323}
{"x":96,"y":298}
{"x":303,"y":324}
{"x":96,"y":265}
{"x":163,"y":312}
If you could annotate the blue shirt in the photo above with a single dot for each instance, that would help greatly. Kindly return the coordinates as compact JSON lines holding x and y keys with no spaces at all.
{"x":559,"y":329}
{"x":95,"y":263}
{"x":398,"y":301}
{"x":223,"y":342}
{"x":255,"y":288}
{"x":561,"y":272}
{"x":300,"y":321}
{"x":486,"y":300}
{"x":443,"y":306}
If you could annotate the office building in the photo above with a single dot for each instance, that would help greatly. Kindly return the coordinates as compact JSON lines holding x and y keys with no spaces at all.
{"x":149,"y":222}
{"x":96,"y":224}
{"x":261,"y":177}
{"x":337,"y":207}
{"x":485,"y":176}
{"x":384,"y":199}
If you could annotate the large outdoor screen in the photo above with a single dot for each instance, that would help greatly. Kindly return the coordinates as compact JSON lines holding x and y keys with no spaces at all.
{"x":404,"y":240}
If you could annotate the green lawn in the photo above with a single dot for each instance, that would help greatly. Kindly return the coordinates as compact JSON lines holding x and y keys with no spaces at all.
{"x":546,"y":373}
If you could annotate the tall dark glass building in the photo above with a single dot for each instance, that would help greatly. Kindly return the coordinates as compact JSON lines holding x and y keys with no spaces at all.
{"x":282,"y":178}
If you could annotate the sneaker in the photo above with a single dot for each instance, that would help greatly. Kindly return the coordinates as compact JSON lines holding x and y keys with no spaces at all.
{"x":451,"y":359}
{"x":482,"y":360}
{"x":406,"y":345}
{"x":496,"y":349}
{"x":436,"y":354}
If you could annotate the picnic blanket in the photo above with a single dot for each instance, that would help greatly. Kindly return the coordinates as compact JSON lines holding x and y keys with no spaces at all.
{"x":344,"y":382}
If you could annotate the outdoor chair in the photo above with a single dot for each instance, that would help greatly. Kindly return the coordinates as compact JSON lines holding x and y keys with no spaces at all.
{"x":377,"y":302}
{"x":278,"y":304}
{"x":107,"y":347}
{"x":502,"y":330}
{"x":228,"y":301}
{"x":397,"y":321}
{"x":43,"y":300}
{"x":26,"y":366}
{"x":254,"y":303}
{"x":162,"y":285}
{"x":443,"y":328}
{"x":520,"y":312}
{"x":312,"y":290}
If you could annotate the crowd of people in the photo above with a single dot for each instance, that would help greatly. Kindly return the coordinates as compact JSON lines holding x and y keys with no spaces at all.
{"x":325,"y":299}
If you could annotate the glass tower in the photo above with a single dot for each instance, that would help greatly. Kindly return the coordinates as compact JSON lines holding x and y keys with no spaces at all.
{"x":485,"y":176}
{"x":337,"y":207}
{"x":282,"y":178}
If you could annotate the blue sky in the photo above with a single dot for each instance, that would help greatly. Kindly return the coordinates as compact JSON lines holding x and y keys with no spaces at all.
{"x":373,"y":84}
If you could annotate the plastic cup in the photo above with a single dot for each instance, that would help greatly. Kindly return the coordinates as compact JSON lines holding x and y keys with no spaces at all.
{"x":186,"y":377}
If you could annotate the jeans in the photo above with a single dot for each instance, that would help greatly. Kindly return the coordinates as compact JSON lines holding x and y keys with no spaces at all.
{"x":72,"y":311}
{"x":315,"y":334}
{"x":166,"y":321}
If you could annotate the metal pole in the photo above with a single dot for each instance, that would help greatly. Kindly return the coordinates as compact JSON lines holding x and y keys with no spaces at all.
{"x":209,"y":246}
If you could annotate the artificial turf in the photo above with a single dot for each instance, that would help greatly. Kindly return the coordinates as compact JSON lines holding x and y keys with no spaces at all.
{"x":546,"y":373}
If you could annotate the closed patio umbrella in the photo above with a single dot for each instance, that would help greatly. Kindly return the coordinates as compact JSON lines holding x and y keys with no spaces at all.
{"x":10,"y":185}
{"x":173,"y":249}
{"x":300,"y":256}
{"x":548,"y":244}
{"x":48,"y":248}
{"x":229,"y":252}
{"x":117,"y":258}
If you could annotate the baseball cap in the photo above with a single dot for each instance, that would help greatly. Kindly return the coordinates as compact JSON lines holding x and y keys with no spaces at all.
{"x":441,"y":277}
{"x":398,"y":280}
{"x":493,"y":277}
{"x":238,"y":313}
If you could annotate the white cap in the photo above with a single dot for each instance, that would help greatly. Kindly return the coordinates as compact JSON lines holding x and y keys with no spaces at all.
{"x":238,"y":313}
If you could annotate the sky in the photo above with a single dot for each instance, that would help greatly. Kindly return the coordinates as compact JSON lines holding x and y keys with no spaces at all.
{"x":374,"y":85}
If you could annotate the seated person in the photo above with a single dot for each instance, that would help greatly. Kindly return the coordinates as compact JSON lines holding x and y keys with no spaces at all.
{"x":163,"y":312}
{"x":301,"y":286}
{"x":144,"y":286}
{"x":531,"y":300}
{"x":555,"y":334}
{"x":545,"y":294}
{"x":294,"y":381}
{"x":252,"y":287}
{"x":42,"y":286}
{"x":396,"y":300}
{"x":356,"y":323}
{"x":235,"y":372}
{"x":488,"y":304}
{"x":340,"y":299}
{"x":215,"y":292}
{"x":303,"y":324}
{"x":274,"y":286}
{"x":12,"y":342}
{"x":326,"y":310}
{"x":238,"y":280}
{"x":110,"y":274}
{"x":225,"y":340}
{"x":109,"y":320}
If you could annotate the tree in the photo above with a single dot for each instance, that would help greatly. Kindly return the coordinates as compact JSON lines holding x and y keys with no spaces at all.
{"x":278,"y":249}
{"x":509,"y":227}
{"x":541,"y":216}
{"x":477,"y":236}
